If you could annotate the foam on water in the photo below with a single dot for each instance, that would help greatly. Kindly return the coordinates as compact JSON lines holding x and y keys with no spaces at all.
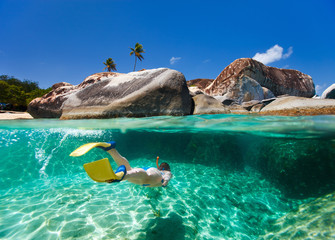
{"x":45,"y":194}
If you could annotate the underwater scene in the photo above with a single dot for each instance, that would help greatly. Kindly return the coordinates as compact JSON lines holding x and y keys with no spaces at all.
{"x":234,"y":177}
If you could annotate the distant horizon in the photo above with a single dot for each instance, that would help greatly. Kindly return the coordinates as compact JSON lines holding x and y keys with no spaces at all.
{"x":66,"y":41}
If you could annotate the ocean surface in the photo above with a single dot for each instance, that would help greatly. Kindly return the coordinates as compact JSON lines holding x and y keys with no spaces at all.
{"x":234,"y":177}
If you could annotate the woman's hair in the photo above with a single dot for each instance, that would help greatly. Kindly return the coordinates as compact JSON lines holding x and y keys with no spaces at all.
{"x":164,"y":166}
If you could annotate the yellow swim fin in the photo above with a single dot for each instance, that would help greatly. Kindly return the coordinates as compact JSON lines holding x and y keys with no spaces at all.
{"x":101,"y":171}
{"x":87,"y":147}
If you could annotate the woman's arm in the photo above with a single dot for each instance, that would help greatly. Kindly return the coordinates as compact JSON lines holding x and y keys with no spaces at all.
{"x":166,"y":178}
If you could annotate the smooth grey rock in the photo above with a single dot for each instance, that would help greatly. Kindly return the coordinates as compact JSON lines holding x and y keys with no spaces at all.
{"x":267,"y":93}
{"x":329,"y":93}
{"x":204,"y":104}
{"x":244,"y":89}
{"x":296,"y":106}
{"x":51,"y":104}
{"x":137,"y":94}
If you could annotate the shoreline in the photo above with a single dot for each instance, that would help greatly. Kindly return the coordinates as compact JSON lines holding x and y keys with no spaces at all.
{"x":13,"y":115}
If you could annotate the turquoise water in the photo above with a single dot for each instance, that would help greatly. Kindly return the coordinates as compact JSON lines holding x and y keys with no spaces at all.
{"x":234,"y":176}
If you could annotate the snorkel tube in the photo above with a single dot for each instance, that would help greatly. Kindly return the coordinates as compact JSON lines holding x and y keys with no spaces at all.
{"x":157,"y":162}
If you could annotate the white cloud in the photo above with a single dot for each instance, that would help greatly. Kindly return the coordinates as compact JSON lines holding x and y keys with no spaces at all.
{"x":289,"y":53}
{"x":319,"y":89}
{"x":174,"y":60}
{"x":273,"y":54}
{"x":206,"y":61}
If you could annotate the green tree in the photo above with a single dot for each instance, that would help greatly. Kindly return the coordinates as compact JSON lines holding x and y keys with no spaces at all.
{"x":19,"y":93}
{"x":35,"y":94}
{"x":26,"y":85}
{"x":110,"y":65}
{"x":4,"y":88}
{"x":137,"y":52}
{"x":17,"y":97}
{"x":12,"y":94}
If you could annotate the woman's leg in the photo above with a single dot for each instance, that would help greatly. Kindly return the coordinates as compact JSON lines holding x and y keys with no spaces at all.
{"x":119,"y":160}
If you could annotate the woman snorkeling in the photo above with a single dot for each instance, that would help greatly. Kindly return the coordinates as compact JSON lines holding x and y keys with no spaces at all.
{"x":147,"y":176}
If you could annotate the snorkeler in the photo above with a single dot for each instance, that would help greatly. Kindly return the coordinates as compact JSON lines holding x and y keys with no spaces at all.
{"x":147,"y":176}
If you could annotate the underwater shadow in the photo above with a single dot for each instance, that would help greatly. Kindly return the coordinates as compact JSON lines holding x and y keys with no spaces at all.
{"x":166,"y":228}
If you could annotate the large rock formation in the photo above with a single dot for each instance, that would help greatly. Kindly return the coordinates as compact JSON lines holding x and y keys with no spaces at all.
{"x":165,"y":92}
{"x":197,"y":86}
{"x":105,"y":95}
{"x":204,"y":104}
{"x":243,"y":90}
{"x":329,"y":93}
{"x":50,"y":105}
{"x":247,"y":75}
{"x":138,"y":94}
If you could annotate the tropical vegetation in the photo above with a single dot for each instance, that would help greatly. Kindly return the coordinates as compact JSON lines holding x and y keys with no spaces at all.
{"x":110,"y":65}
{"x":16,"y":94}
{"x":137,"y":51}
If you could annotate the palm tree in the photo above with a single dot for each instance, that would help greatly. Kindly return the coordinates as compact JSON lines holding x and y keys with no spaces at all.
{"x":110,"y":65}
{"x":137,"y":51}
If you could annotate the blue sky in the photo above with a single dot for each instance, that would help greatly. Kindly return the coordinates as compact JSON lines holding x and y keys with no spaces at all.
{"x":50,"y":41}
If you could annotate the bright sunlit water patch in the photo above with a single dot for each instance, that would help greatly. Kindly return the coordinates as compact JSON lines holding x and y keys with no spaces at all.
{"x":232,"y":205}
{"x":225,"y":185}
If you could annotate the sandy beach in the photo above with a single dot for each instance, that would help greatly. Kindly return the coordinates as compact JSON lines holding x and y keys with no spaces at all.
{"x":12,"y":115}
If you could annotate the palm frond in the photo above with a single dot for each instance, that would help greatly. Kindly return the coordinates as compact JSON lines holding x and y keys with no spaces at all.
{"x":110,"y":65}
{"x":137,"y":51}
